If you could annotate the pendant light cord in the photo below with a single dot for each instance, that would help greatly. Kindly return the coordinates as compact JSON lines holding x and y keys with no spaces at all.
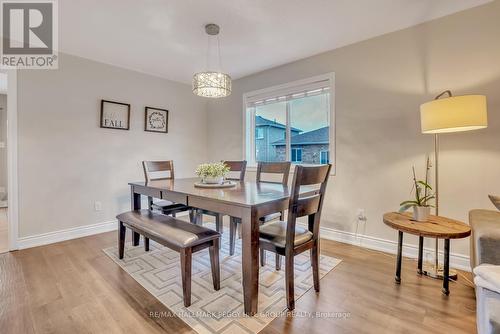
{"x":218,"y":55}
{"x":218,"y":52}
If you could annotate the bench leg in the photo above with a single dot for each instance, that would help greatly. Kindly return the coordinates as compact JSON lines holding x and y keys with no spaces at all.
{"x":214,"y":262}
{"x":186,"y":255}
{"x":146,"y":244}
{"x":278,"y":262}
{"x":232,"y":235}
{"x":192,"y":216}
{"x":121,"y":239}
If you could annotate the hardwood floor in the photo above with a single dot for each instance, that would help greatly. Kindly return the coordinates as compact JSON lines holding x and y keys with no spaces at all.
{"x":73,"y":287}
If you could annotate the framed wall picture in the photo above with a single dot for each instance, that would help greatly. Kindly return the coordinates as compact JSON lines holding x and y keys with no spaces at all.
{"x":156,"y":120}
{"x":115,"y":115}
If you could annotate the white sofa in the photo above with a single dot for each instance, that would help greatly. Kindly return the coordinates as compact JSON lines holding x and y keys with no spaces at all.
{"x":485,"y":261}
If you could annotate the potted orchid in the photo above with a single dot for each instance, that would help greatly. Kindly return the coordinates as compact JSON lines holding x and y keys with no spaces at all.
{"x":212,"y":173}
{"x":423,"y":195}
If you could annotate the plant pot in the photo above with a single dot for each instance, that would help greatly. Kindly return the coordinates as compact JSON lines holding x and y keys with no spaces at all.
{"x":213,"y":180}
{"x":421,"y":213}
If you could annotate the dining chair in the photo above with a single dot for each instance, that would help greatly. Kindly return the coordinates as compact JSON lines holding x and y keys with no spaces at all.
{"x":164,"y":170}
{"x":286,"y":238}
{"x":264,"y":169}
{"x":238,"y":167}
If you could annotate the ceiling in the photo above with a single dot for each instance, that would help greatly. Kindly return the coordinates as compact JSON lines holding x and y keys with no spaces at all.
{"x":166,"y":38}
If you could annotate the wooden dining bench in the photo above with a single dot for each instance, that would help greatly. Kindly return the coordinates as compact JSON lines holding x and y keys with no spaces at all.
{"x":177,"y":235}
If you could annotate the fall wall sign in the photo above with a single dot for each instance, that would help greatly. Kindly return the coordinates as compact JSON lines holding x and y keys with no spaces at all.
{"x":115,"y":115}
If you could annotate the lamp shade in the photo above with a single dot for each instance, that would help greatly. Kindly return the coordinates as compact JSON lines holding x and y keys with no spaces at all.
{"x":454,"y":114}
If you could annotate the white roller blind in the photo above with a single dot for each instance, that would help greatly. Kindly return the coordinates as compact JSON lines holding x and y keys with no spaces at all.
{"x":289,"y":93}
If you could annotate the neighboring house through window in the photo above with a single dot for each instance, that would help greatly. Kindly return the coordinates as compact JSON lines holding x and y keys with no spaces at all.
{"x":291,"y":122}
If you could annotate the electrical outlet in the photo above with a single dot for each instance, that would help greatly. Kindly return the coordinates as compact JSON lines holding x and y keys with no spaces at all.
{"x":97,"y":206}
{"x":361,"y":216}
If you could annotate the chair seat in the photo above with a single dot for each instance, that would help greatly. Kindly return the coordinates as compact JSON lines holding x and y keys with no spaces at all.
{"x":270,"y":217}
{"x":167,"y":207}
{"x":275,"y":232}
{"x":162,"y":204}
{"x":167,"y":229}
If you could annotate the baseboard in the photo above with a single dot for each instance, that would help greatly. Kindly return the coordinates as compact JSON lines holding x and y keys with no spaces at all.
{"x":457,"y":261}
{"x":67,"y":234}
{"x":70,"y":233}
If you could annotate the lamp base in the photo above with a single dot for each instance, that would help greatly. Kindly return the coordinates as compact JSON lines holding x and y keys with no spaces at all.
{"x":430,"y":271}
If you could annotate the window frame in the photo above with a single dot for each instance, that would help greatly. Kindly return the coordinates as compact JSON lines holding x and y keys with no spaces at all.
{"x":297,"y":149}
{"x":249,"y":118}
{"x":257,"y":131}
{"x":327,"y":156}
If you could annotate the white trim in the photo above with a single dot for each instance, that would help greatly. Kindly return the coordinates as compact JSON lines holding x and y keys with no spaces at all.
{"x":12,"y":176}
{"x":458,"y":261}
{"x":71,"y":233}
{"x":67,"y":234}
{"x":248,"y":142}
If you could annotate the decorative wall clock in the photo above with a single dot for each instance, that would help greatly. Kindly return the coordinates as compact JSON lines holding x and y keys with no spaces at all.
{"x":156,"y":120}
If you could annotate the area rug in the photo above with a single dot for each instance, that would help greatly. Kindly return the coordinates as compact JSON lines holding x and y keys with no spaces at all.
{"x":158,"y":271}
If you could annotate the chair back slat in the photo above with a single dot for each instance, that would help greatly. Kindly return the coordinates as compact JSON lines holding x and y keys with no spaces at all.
{"x":273,"y":168}
{"x":307,"y":205}
{"x":311,"y":205}
{"x":237,"y":166}
{"x":151,"y":167}
{"x":314,"y":175}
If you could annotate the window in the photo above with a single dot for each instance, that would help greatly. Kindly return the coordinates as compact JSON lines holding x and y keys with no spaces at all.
{"x":324,"y":157}
{"x":291,"y":122}
{"x":259,"y":133}
{"x":296,"y":155}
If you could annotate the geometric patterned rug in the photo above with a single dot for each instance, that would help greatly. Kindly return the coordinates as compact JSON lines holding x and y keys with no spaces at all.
{"x":158,"y":271}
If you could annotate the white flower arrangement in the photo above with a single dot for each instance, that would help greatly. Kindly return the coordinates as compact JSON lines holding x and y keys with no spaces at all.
{"x":214,"y":170}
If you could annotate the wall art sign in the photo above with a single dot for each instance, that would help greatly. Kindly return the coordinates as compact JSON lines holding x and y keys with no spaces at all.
{"x":115,"y":115}
{"x":156,"y":120}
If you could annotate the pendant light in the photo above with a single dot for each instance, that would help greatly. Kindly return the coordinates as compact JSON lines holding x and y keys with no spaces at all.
{"x":212,"y":84}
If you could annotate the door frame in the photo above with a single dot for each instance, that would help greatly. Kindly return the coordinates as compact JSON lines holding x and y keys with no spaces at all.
{"x":12,"y":175}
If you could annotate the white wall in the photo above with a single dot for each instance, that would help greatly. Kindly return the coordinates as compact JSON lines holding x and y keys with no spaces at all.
{"x":66,"y":162}
{"x":3,"y":150}
{"x":380,"y":84}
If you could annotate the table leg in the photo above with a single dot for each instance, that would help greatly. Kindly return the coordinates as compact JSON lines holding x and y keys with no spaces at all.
{"x":400,"y":255}
{"x":250,"y":260}
{"x":420,"y":254}
{"x":135,"y":201}
{"x":446,"y":269}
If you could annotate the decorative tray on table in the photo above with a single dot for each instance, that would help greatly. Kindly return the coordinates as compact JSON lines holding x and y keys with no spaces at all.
{"x":225,"y":184}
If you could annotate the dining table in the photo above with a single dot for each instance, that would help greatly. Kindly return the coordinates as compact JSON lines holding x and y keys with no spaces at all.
{"x":246,"y":200}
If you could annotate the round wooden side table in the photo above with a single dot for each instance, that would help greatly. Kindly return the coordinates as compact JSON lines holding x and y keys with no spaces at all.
{"x":435,"y":227}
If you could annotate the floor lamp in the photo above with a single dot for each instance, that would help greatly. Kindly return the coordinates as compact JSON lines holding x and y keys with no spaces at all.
{"x":445,"y":115}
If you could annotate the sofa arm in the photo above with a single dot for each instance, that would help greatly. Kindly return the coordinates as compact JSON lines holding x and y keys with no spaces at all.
{"x":485,"y":237}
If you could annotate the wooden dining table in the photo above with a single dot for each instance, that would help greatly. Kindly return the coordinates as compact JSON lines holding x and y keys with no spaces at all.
{"x":246,"y":200}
